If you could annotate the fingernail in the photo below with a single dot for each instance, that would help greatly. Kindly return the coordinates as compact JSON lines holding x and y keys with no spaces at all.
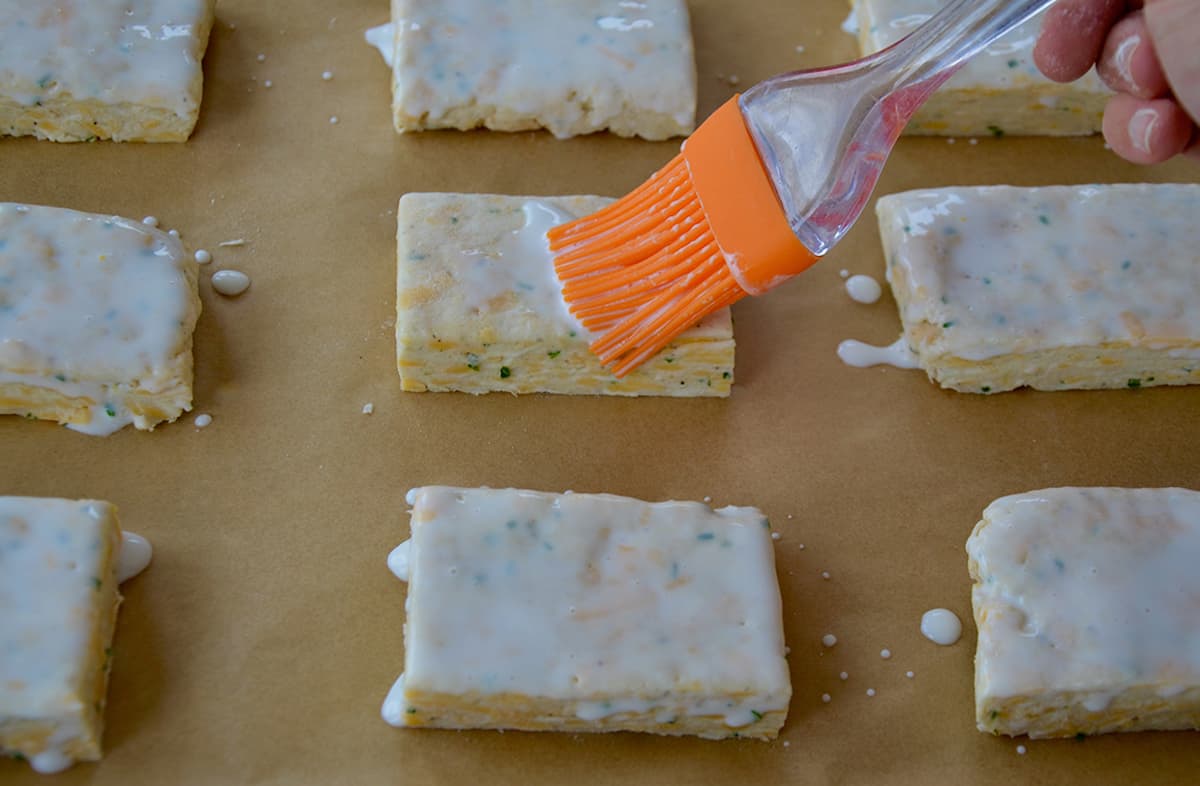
{"x":1141,"y":128}
{"x":1123,"y":59}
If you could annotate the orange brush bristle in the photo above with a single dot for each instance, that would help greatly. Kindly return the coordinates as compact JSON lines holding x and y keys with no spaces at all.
{"x":703,"y":232}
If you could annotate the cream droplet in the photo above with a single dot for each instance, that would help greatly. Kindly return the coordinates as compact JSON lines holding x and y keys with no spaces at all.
{"x":202,"y":420}
{"x":863,"y":289}
{"x":870,"y":691}
{"x":825,"y":697}
{"x":327,"y":75}
{"x":202,"y":257}
{"x":941,"y":626}
{"x":829,"y":640}
{"x":150,"y":221}
{"x":135,"y":555}
{"x":885,"y":654}
{"x":368,"y":408}
{"x":230,"y":282}
{"x":845,"y":675}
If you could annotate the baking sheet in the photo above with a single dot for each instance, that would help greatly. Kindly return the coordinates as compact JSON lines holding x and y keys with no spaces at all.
{"x":260,"y":643}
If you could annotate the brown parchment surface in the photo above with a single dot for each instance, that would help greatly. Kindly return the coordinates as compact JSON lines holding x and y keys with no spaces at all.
{"x":258,"y":646}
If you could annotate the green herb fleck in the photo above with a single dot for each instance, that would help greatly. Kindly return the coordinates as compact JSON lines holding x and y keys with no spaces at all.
{"x":948,"y":324}
{"x":945,"y":300}
{"x":505,"y":372}
{"x":411,"y":710}
{"x":996,"y":131}
{"x":453,"y":219}
{"x":18,"y":756}
{"x":1134,"y":383}
{"x":766,"y":523}
{"x":1080,"y":737}
{"x":511,"y":524}
{"x":987,"y":281}
{"x":572,"y":334}
{"x":995,"y":714}
{"x":907,"y":229}
{"x":726,"y":375}
{"x":1014,"y":63}
{"x":673,"y":719}
{"x":92,"y":139}
{"x":60,"y":377}
{"x":669,"y":359}
{"x":472,"y":361}
{"x":96,"y":583}
{"x":29,"y":416}
{"x":1126,"y":264}
{"x":1062,"y":566}
{"x":108,"y":410}
{"x":986,"y":389}
{"x":705,"y":536}
{"x":757,"y":715}
{"x":554,"y":354}
{"x":1044,"y":219}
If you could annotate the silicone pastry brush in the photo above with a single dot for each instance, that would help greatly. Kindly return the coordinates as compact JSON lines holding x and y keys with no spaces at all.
{"x":765,"y":187}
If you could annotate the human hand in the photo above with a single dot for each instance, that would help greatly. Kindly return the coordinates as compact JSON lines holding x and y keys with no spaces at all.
{"x":1150,"y":56}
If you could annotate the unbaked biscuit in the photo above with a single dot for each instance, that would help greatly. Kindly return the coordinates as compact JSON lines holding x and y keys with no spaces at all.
{"x":479,"y":308}
{"x":126,"y":70}
{"x":570,"y":66}
{"x":58,"y":607}
{"x":1086,"y":603}
{"x":999,"y":91}
{"x":589,"y":612}
{"x":1052,"y":288}
{"x":96,"y":319}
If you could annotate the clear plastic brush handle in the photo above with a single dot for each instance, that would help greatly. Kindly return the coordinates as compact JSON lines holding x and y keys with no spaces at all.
{"x":825,"y":134}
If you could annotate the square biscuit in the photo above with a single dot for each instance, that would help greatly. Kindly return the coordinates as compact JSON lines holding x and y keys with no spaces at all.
{"x":1054,"y":288}
{"x":589,"y":612}
{"x":999,"y":91}
{"x":81,"y":70}
{"x":1086,"y":604}
{"x":58,"y":604}
{"x":96,"y":319}
{"x":479,"y":308}
{"x":571,"y":66}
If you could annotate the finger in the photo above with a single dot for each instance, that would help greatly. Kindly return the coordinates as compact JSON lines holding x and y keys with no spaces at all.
{"x":1073,"y":33}
{"x":1146,"y":132}
{"x":1128,"y":62}
{"x":1176,"y":35}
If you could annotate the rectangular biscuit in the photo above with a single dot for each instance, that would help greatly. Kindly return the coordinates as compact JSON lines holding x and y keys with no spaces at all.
{"x":999,"y":91}
{"x":96,"y":319}
{"x":570,"y":66}
{"x":1053,"y":288}
{"x":81,"y":70}
{"x":1086,"y":604}
{"x":58,"y":606}
{"x":479,"y":308}
{"x":588,"y":612}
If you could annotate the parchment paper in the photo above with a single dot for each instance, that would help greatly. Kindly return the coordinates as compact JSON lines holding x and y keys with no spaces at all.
{"x":260,"y":643}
